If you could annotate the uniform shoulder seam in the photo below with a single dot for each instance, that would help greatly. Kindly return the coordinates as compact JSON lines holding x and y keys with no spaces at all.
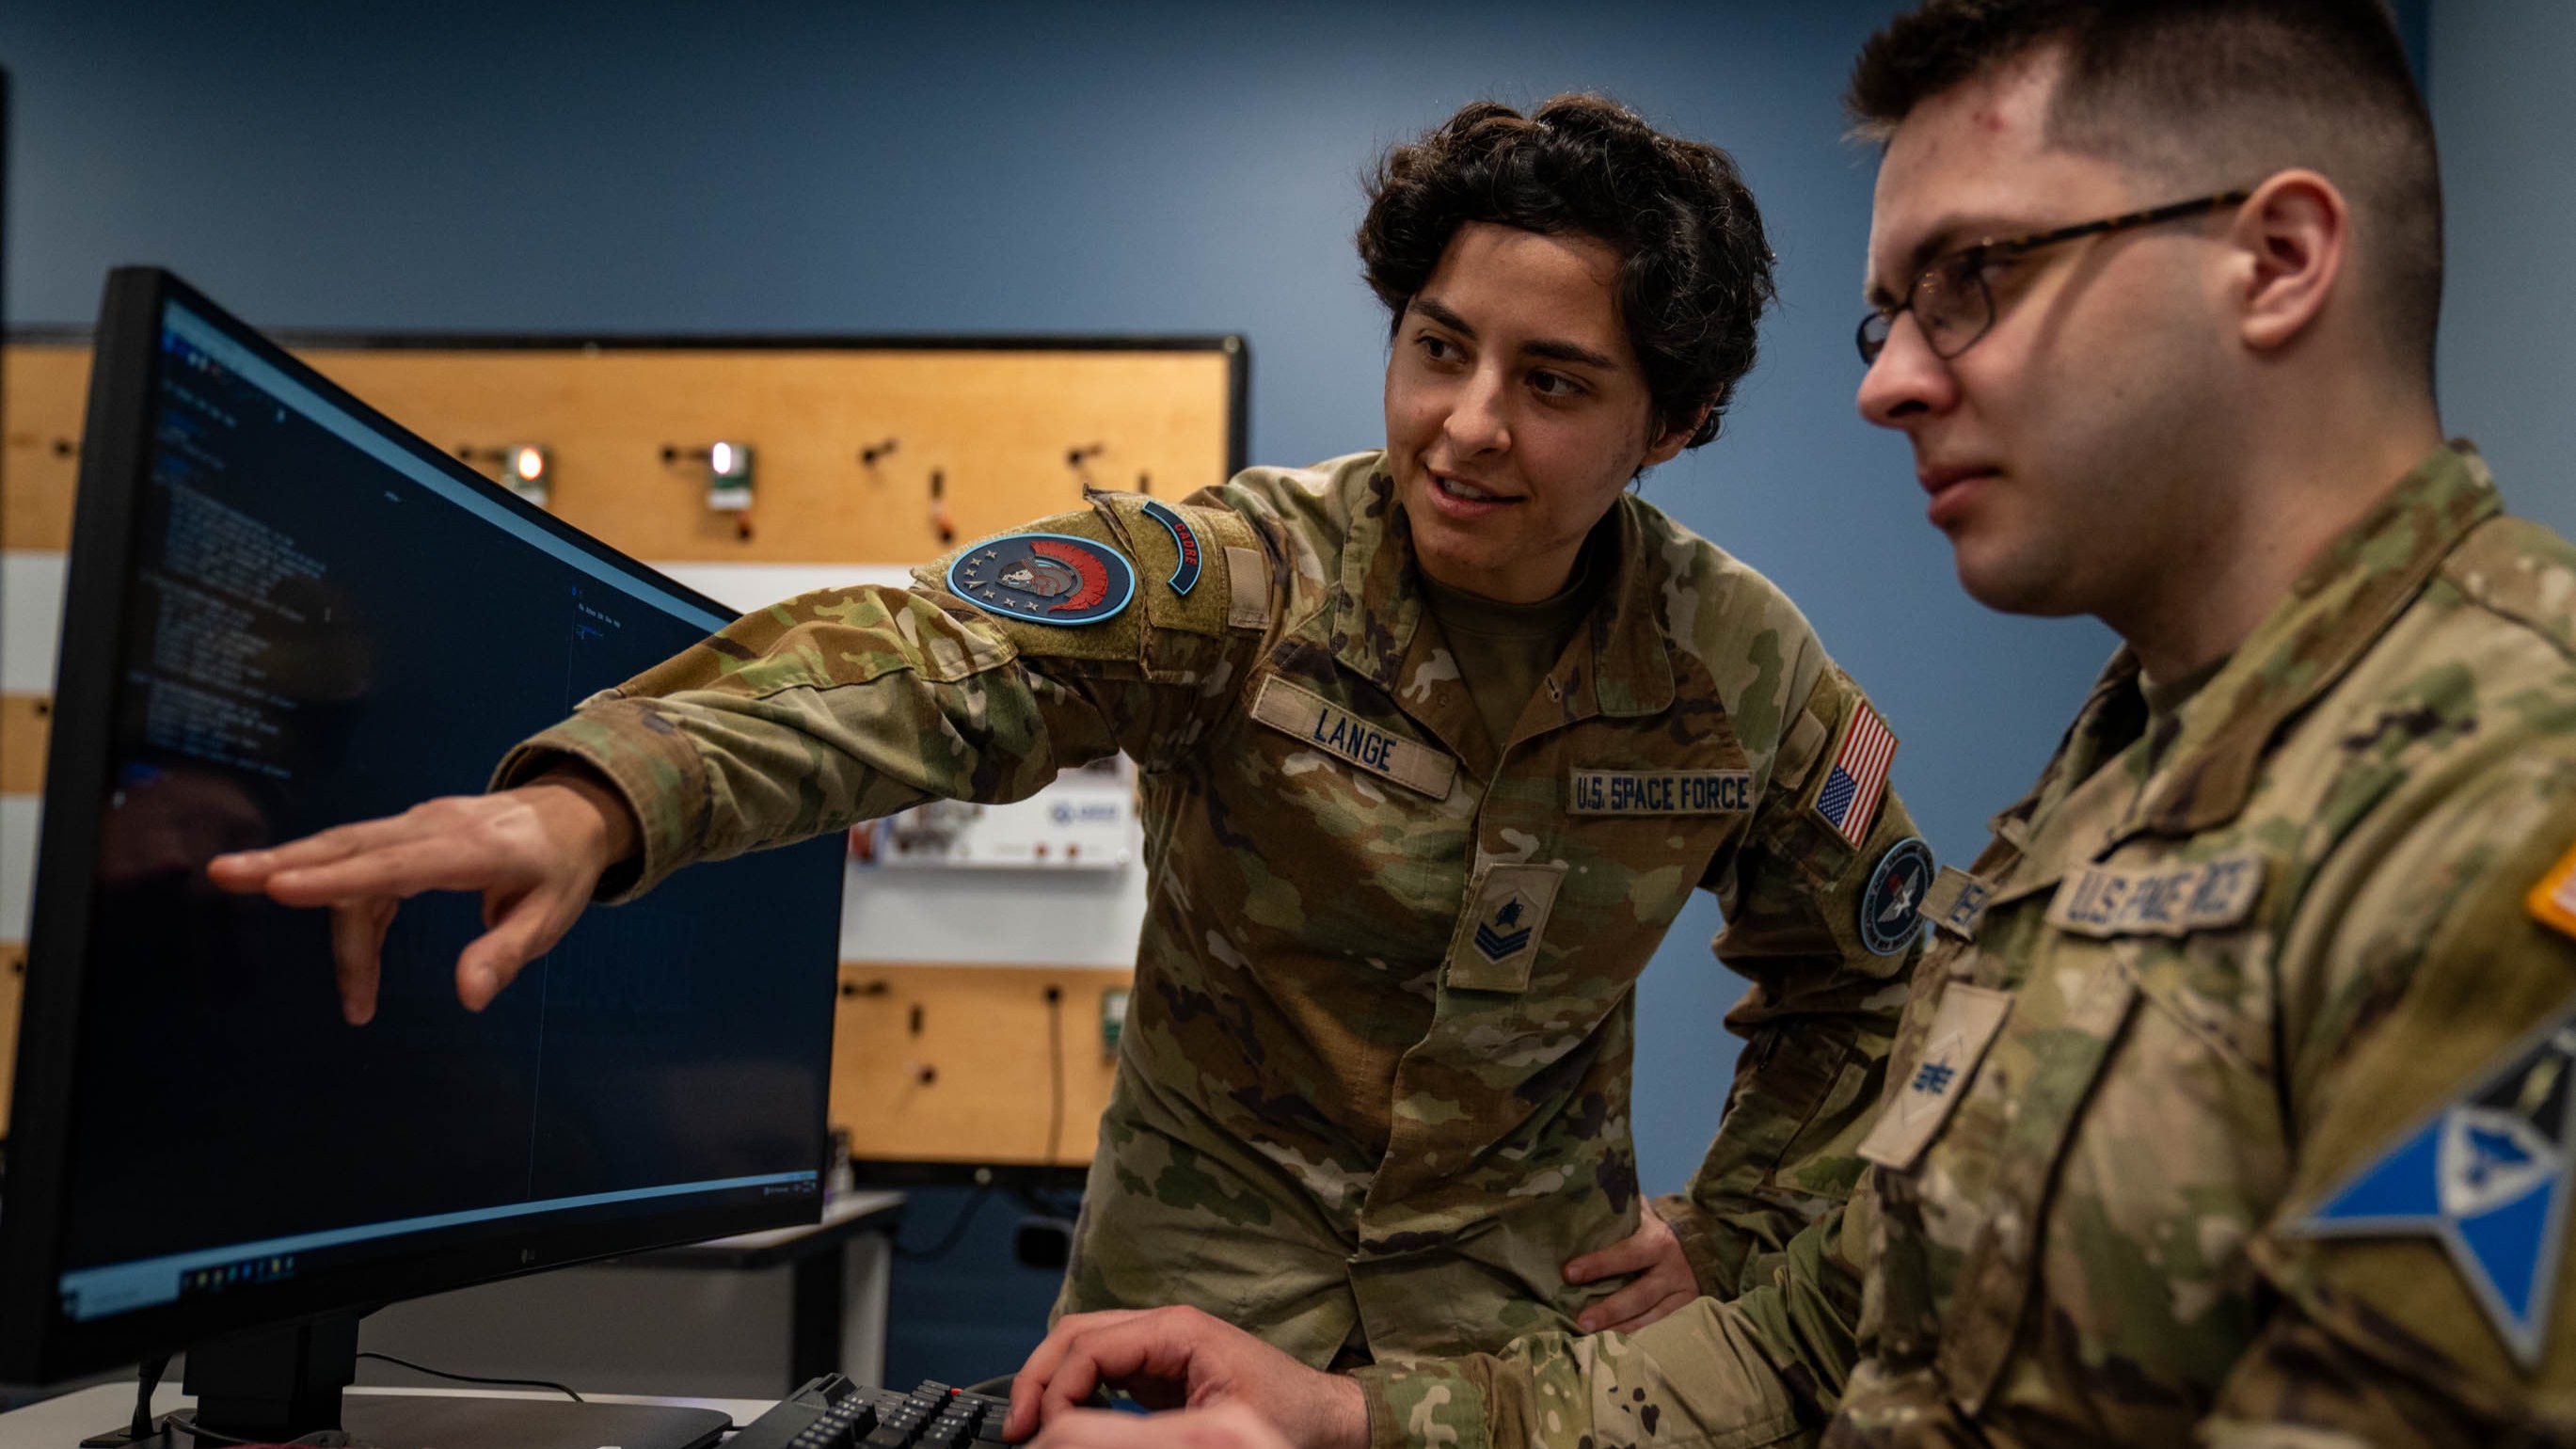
{"x":2522,"y":573}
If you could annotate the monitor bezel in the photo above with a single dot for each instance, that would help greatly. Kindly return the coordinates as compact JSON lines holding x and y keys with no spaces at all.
{"x":38,"y":1343}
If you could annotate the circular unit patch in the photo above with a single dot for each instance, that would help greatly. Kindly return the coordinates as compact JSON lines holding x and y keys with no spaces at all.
{"x":1044,"y":578}
{"x":1891,"y":906}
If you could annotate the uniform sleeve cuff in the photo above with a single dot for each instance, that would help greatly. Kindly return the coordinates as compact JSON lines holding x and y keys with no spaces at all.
{"x":1697,"y":1233}
{"x":1416,"y":1404}
{"x":650,"y":765}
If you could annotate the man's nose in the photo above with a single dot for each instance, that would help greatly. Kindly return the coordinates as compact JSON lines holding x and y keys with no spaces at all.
{"x":1907,"y":380}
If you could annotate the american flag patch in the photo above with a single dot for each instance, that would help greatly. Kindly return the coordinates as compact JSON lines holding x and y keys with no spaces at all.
{"x":1849,"y":799}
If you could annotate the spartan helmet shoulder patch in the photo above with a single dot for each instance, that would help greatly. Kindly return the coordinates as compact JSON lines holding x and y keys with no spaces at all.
{"x":1044,"y":578}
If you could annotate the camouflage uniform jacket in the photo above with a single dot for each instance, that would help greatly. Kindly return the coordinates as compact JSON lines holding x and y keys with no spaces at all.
{"x":2160,"y":1160}
{"x":1373,"y":1089}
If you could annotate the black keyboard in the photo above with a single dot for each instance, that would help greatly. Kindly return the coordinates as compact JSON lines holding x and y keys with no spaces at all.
{"x":833,"y":1413}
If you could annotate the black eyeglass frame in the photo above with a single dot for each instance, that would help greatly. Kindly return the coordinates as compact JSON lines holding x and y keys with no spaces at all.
{"x":1882,"y":321}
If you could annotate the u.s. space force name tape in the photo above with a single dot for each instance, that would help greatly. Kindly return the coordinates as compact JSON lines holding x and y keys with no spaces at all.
{"x":1659,"y":792}
{"x":2103,"y":901}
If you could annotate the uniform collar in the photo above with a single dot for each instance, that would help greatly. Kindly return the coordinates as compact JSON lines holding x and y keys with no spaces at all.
{"x":1617,"y":666}
{"x":1376,"y":609}
{"x":1632,"y":671}
{"x":2342,"y":604}
{"x":2103,"y":729}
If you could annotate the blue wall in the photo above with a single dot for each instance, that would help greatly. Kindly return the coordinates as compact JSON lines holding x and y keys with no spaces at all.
{"x":1140,"y":167}
{"x":2508,"y":367}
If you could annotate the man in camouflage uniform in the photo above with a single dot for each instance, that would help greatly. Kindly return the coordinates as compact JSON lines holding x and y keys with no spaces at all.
{"x":2233,"y":1103}
{"x":1374,"y":1087}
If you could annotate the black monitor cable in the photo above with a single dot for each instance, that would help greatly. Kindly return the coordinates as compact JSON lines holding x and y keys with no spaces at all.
{"x":1034,"y":1197}
{"x":956,"y":1231}
{"x":1039,"y":1198}
{"x":1055,"y":1074}
{"x":474,"y":1379}
{"x":186,"y":1422}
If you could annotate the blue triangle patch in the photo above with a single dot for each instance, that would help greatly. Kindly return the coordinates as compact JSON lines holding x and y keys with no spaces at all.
{"x":2488,"y":1175}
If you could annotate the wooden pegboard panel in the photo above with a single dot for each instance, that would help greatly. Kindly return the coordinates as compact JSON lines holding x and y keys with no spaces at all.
{"x":952,"y":1064}
{"x":45,"y":390}
{"x":25,"y":725}
{"x":996,"y":424}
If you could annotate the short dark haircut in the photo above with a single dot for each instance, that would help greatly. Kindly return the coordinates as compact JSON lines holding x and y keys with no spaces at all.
{"x":1694,"y":274}
{"x":2207,"y":95}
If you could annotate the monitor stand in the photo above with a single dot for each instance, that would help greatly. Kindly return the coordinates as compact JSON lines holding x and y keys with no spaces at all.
{"x":281,"y":1384}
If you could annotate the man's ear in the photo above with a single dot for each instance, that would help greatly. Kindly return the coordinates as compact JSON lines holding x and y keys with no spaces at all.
{"x":1675,"y":437}
{"x":2293,"y":238}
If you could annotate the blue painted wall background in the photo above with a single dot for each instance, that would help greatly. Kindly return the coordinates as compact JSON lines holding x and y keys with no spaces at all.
{"x":862,"y":167}
{"x":2508,"y":374}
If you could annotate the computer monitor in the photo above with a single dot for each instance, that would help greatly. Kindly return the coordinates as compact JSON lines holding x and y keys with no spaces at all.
{"x":285,"y":612}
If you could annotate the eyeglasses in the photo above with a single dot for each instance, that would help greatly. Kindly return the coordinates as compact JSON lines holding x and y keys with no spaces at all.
{"x":1952,"y":301}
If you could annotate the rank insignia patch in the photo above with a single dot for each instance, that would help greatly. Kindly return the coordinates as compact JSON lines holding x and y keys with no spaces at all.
{"x":1504,"y":926}
{"x":1185,"y":574}
{"x":2553,"y":901}
{"x":1849,"y":798}
{"x":1891,"y":905}
{"x":1044,"y":578}
{"x":2488,"y":1178}
{"x":1506,"y":930}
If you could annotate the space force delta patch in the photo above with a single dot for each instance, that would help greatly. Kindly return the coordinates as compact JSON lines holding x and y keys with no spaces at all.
{"x":1891,"y":915}
{"x":2487,"y":1177}
{"x":1044,"y":578}
{"x":1659,"y":792}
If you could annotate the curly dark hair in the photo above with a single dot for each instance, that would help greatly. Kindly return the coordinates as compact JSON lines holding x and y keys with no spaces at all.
{"x":1695,"y":272}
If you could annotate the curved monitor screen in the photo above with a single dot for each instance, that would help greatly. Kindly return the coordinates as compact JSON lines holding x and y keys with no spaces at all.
{"x":288,"y":615}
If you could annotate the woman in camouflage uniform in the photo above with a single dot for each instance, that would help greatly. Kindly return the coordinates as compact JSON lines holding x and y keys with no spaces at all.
{"x":1434,"y":742}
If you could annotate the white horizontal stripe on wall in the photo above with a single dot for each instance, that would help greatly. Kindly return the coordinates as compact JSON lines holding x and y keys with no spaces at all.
{"x":31,"y":620}
{"x":18,"y":816}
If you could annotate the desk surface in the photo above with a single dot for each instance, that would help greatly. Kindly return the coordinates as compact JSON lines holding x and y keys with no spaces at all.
{"x":61,"y":1423}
